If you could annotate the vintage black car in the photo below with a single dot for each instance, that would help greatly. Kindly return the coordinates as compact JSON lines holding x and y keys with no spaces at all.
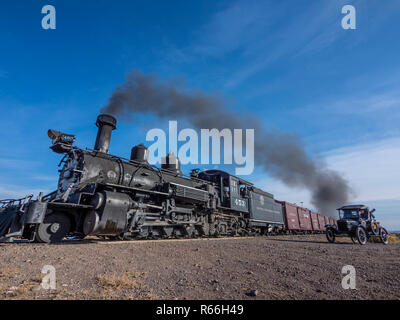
{"x":357,"y":222}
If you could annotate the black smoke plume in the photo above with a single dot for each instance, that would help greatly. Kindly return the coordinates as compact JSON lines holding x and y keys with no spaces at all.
{"x":282,"y":155}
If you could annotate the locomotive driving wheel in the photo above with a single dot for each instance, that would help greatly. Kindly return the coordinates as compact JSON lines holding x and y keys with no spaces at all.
{"x":53,"y":229}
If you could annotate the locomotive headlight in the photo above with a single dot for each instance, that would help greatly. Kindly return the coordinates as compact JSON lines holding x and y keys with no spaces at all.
{"x":62,"y":142}
{"x":61,"y":136}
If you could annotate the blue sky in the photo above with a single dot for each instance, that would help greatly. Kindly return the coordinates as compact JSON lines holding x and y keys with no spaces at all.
{"x":288,"y":62}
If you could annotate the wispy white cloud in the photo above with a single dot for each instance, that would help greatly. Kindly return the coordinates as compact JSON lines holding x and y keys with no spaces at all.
{"x":53,"y":178}
{"x":16,"y":163}
{"x":15,"y":192}
{"x":256,"y":34}
{"x":249,"y":29}
{"x":313,"y":29}
{"x":362,"y":103}
{"x":235,"y":27}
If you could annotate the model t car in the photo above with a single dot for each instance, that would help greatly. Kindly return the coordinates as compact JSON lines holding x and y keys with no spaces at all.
{"x":357,"y":222}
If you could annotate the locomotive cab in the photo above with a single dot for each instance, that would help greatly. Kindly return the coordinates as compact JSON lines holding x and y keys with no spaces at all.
{"x":233,"y":190}
{"x":242,"y":198}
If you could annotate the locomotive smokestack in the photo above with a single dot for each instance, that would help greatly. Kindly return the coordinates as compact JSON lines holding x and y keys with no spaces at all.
{"x":106,"y":123}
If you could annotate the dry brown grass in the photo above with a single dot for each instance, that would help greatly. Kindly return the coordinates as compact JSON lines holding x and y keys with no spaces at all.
{"x":16,"y":291}
{"x":7,"y":273}
{"x":394,"y":238}
{"x":21,"y":290}
{"x":127,"y":285}
{"x":8,"y":288}
{"x":127,"y":280}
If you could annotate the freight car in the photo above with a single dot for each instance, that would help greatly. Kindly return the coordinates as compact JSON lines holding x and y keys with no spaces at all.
{"x":314,"y":221}
{"x":108,"y":196}
{"x":299,"y":220}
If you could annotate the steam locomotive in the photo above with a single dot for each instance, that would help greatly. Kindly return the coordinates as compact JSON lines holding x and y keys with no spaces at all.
{"x":112,"y":197}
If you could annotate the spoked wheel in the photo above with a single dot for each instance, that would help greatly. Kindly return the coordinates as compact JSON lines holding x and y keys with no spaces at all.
{"x":330,"y":235}
{"x":384,"y":236}
{"x":53,"y":229}
{"x":361,"y":235}
{"x":354,"y":239}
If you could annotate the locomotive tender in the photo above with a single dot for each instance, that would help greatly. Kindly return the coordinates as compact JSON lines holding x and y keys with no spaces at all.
{"x":108,"y":196}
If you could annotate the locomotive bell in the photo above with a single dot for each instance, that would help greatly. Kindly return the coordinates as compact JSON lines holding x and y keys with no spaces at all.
{"x":172,"y":163}
{"x":140,"y":153}
{"x":106,"y":123}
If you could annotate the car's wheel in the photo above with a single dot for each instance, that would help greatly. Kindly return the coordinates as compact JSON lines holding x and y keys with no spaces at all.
{"x":330,"y":235}
{"x":384,"y":236}
{"x":354,"y":239}
{"x":54,"y":228}
{"x":361,"y":235}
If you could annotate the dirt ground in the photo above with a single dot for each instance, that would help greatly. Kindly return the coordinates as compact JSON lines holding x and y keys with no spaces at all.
{"x":278,"y":267}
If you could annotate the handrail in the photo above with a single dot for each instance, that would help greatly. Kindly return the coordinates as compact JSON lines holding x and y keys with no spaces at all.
{"x":10,"y":202}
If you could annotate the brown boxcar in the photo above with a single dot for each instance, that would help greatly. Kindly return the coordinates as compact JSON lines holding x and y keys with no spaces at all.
{"x":321,"y":221}
{"x":314,"y":220}
{"x":290,"y":216}
{"x":326,"y":220}
{"x":304,"y":219}
{"x":332,"y":221}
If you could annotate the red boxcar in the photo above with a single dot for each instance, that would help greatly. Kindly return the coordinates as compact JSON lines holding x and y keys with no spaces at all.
{"x":314,"y":220}
{"x":304,"y":219}
{"x":333,"y":221}
{"x":321,"y":221}
{"x":290,"y":216}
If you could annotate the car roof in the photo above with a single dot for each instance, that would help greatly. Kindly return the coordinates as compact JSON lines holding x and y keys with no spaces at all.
{"x":353,"y":206}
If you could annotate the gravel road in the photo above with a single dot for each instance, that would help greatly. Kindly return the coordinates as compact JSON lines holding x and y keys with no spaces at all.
{"x":278,"y":267}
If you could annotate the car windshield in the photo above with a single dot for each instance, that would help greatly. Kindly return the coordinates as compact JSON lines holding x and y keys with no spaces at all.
{"x":349,"y":214}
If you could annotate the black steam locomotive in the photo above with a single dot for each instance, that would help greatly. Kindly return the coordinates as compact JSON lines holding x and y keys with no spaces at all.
{"x":108,"y":196}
